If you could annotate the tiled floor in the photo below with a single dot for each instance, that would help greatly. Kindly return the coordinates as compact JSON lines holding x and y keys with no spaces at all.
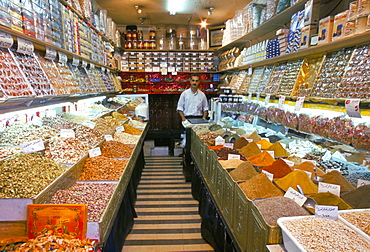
{"x":168,"y":217}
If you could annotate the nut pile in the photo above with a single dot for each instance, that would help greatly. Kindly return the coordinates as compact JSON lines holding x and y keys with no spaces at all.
{"x":61,"y":242}
{"x":119,"y":116}
{"x":137,"y":124}
{"x":26,"y":175}
{"x":208,"y":137}
{"x":95,"y":195}
{"x":104,"y":126}
{"x":58,"y":123}
{"x":132,"y":130}
{"x":66,"y":150}
{"x":314,"y":155}
{"x":125,"y":138}
{"x":115,"y":149}
{"x":360,"y":219}
{"x":75,"y":118}
{"x":103,"y":168}
{"x":14,"y":132}
{"x":88,"y":135}
{"x":8,"y":151}
{"x":318,"y":234}
{"x":43,"y":132}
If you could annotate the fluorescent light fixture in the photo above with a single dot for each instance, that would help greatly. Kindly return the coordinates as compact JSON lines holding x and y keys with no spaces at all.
{"x":174,"y":6}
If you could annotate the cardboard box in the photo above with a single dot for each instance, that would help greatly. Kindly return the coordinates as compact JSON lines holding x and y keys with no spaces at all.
{"x":339,"y":23}
{"x":325,"y":30}
{"x":312,"y":12}
{"x":57,"y":218}
{"x":160,"y":151}
{"x":307,"y":33}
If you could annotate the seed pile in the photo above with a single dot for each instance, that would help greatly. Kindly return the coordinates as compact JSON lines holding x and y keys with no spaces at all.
{"x":115,"y":149}
{"x":8,"y":151}
{"x":103,"y":168}
{"x":125,"y":138}
{"x":360,"y":219}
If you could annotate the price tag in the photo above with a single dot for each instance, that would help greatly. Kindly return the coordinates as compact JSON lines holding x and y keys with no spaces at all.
{"x":268,"y":174}
{"x":309,"y":174}
{"x":89,"y":124}
{"x":326,"y":212}
{"x":103,"y":70}
{"x":288,"y":162}
{"x":361,"y":182}
{"x":50,"y":53}
{"x":164,"y":71}
{"x":156,"y":69}
{"x":272,"y":153}
{"x":233,"y":156}
{"x":95,"y":152}
{"x":92,"y":66}
{"x":32,"y":146}
{"x":267,"y":99}
{"x":296,"y":196}
{"x":250,"y":71}
{"x":108,"y":137}
{"x":171,"y":69}
{"x":120,"y":128}
{"x":6,"y":40}
{"x":327,"y":156}
{"x":332,"y":188}
{"x":75,"y":62}
{"x":229,"y":145}
{"x":51,"y":113}
{"x":25,"y":46}
{"x":249,"y":96}
{"x":84,"y":64}
{"x":36,"y":121}
{"x":353,"y":108}
{"x":299,"y":104}
{"x":281,"y":101}
{"x":258,"y":96}
{"x":62,"y":58}
{"x":249,"y":140}
{"x":259,"y":146}
{"x":108,"y":71}
{"x":67,"y":133}
{"x":174,"y":73}
{"x":219,"y":141}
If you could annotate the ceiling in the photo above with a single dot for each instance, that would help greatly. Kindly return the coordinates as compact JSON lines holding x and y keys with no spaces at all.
{"x":155,"y":12}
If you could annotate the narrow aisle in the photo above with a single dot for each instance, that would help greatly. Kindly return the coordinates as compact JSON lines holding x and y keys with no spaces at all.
{"x":168,"y":218}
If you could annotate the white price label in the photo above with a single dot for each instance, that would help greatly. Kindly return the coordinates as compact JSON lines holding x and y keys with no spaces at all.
{"x":51,"y":113}
{"x":164,"y":71}
{"x":25,"y":46}
{"x":67,"y":133}
{"x":361,"y":182}
{"x":103,"y":70}
{"x":288,"y":162}
{"x":309,"y":174}
{"x":268,"y":174}
{"x":233,"y":156}
{"x":250,"y":71}
{"x":171,"y":69}
{"x":249,"y":140}
{"x":219,"y":141}
{"x":62,"y":58}
{"x":32,"y":146}
{"x":174,"y":73}
{"x":75,"y":62}
{"x":50,"y":53}
{"x":298,"y":198}
{"x":6,"y":40}
{"x":272,"y":153}
{"x":326,"y":187}
{"x":95,"y":152}
{"x":156,"y":69}
{"x":267,"y":99}
{"x":120,"y":128}
{"x":281,"y":101}
{"x":36,"y":121}
{"x":353,"y":108}
{"x":326,"y":212}
{"x":258,"y":96}
{"x":229,"y":145}
{"x":89,"y":124}
{"x":249,"y":96}
{"x":108,"y":71}
{"x":259,"y":146}
{"x":84,"y":64}
{"x":299,"y":104}
{"x":92,"y":66}
{"x":108,"y":137}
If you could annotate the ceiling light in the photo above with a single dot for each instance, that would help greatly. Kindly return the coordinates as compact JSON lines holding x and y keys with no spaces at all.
{"x":174,"y":6}
{"x":203,"y":24}
{"x":210,"y":9}
{"x":138,"y":9}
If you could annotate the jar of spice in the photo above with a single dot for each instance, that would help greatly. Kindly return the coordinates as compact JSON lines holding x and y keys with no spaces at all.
{"x":146,"y":44}
{"x":140,"y":35}
{"x":153,"y":44}
{"x":134,"y":35}
{"x":128,"y":35}
{"x":152,"y":34}
{"x":134,"y":44}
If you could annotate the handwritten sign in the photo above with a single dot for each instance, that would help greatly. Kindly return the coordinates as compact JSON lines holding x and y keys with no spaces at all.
{"x":75,"y":61}
{"x":89,"y":124}
{"x":229,"y":145}
{"x":95,"y":152}
{"x":50,"y":53}
{"x":108,"y":137}
{"x":84,"y":64}
{"x":6,"y":40}
{"x":268,"y":174}
{"x":32,"y":146}
{"x":267,"y":99}
{"x":272,"y":153}
{"x":281,"y":101}
{"x":326,"y":212}
{"x":25,"y":46}
{"x":361,"y":182}
{"x":233,"y":156}
{"x":120,"y":128}
{"x":219,"y":141}
{"x":332,"y":188}
{"x":67,"y":133}
{"x":288,"y":162}
{"x":353,"y":108}
{"x":299,"y":104}
{"x":298,"y":198}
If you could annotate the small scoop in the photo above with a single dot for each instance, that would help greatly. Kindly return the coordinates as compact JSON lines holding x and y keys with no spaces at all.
{"x":310,"y":202}
{"x":316,"y":179}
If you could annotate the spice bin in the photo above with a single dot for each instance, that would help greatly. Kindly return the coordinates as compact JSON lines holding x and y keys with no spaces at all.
{"x":241,"y":223}
{"x":227,"y":201}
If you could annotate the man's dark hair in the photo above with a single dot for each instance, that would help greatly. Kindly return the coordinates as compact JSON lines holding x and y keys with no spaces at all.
{"x":195,"y":74}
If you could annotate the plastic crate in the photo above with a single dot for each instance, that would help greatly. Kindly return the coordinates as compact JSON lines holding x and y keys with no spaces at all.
{"x":241,"y":225}
{"x":227,"y":203}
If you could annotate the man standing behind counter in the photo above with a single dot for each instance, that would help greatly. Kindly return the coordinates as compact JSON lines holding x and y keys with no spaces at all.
{"x":193,"y":102}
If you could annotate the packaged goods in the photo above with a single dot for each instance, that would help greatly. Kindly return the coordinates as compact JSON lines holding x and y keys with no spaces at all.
{"x":341,"y":129}
{"x":260,"y":187}
{"x":339,"y":23}
{"x":361,"y":137}
{"x":271,"y":6}
{"x":363,"y":8}
{"x":282,"y":5}
{"x":265,"y":78}
{"x":290,"y":77}
{"x":352,"y":10}
{"x":257,"y":74}
{"x":349,"y":28}
{"x":326,"y":30}
{"x":311,"y":12}
{"x":307,"y":33}
{"x":361,"y":24}
{"x":275,"y":78}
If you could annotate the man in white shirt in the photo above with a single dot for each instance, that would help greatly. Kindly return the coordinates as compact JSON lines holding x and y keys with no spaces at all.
{"x":193,"y":102}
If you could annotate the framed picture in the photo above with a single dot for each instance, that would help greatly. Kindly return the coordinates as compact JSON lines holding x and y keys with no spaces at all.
{"x":215,"y":36}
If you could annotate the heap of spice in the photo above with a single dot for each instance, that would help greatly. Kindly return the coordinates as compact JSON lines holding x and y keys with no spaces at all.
{"x":132,"y":130}
{"x":264,"y":144}
{"x":356,"y":157}
{"x":262,"y":159}
{"x":335,"y":177}
{"x":224,"y":152}
{"x":359,"y":197}
{"x":251,"y":149}
{"x":295,"y":159}
{"x":103,"y":168}
{"x":309,"y":166}
{"x":279,"y":168}
{"x":279,"y":150}
{"x":295,"y":178}
{"x":276,"y":207}
{"x":115,"y":149}
{"x":243,"y":172}
{"x":254,"y":136}
{"x":231,"y":163}
{"x":260,"y":187}
{"x":240,"y":143}
{"x":329,"y":199}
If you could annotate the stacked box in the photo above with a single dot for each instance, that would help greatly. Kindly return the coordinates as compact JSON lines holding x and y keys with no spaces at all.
{"x":39,"y":19}
{"x":47,"y":23}
{"x":311,"y":12}
{"x":273,"y":48}
{"x":67,"y":20}
{"x":282,"y":37}
{"x":294,"y":37}
{"x":307,"y":33}
{"x":339,"y":23}
{"x":325,"y":30}
{"x":5,"y":19}
{"x":28,"y":19}
{"x":56,"y":22}
{"x":15,"y":11}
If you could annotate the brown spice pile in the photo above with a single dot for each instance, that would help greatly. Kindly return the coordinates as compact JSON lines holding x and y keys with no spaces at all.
{"x":231,"y":163}
{"x":359,"y":197}
{"x":279,"y":168}
{"x":243,"y":172}
{"x":240,"y":143}
{"x":115,"y":149}
{"x":224,"y":152}
{"x":260,"y":187}
{"x":103,"y":168}
{"x":335,"y":177}
{"x":250,"y":149}
{"x":295,"y":178}
{"x":279,"y":150}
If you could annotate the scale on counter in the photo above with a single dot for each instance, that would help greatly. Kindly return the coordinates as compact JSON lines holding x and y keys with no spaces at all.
{"x":197,"y":120}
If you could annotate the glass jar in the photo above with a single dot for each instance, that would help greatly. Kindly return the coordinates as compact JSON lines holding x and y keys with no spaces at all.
{"x":128,"y":35}
{"x":128,"y":44}
{"x":152,"y":34}
{"x":140,"y":35}
{"x":134,"y":44}
{"x":152,"y":44}
{"x":146,"y":44}
{"x":161,"y":45}
{"x":134,"y":35}
{"x":140,"y":44}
